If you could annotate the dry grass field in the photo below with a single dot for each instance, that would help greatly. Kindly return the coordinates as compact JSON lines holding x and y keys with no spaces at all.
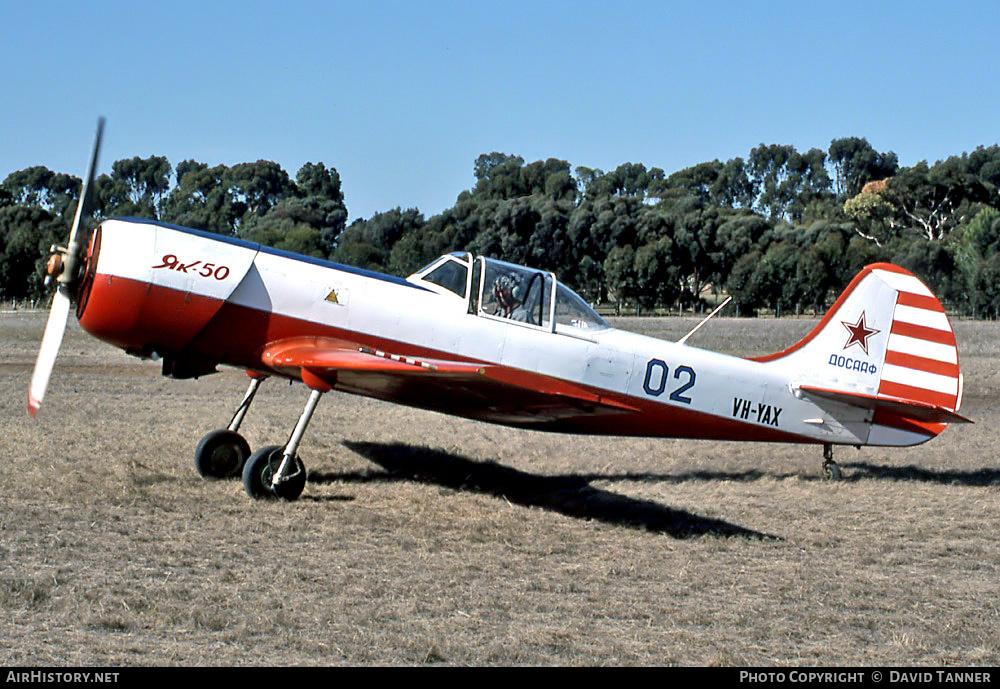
{"x":426,"y":539}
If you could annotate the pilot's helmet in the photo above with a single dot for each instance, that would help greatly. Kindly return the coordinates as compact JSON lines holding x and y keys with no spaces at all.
{"x":505,"y":285}
{"x":518,"y":293}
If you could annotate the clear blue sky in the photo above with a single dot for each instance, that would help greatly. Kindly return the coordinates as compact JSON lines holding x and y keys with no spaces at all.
{"x":401,"y":97}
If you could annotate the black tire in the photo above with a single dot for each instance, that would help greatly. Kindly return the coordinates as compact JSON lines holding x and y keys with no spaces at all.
{"x":221,"y":454}
{"x":260,"y":469}
{"x":832,"y":472}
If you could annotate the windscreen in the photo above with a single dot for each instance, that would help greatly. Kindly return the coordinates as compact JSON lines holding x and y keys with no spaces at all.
{"x":451,"y":275}
{"x":572,"y":310}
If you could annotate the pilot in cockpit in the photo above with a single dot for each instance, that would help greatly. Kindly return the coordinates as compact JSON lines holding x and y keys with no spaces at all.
{"x":503,"y":293}
{"x":509,"y":294}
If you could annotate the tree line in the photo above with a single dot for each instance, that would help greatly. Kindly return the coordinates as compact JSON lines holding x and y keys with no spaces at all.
{"x":780,"y":229}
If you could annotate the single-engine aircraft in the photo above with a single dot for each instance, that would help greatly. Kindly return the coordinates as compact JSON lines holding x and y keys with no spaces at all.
{"x":488,"y":340}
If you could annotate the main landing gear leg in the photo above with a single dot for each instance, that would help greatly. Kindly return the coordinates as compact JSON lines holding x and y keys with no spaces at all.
{"x":831,"y":470}
{"x":222,"y":453}
{"x":276,"y":471}
{"x":241,"y":411}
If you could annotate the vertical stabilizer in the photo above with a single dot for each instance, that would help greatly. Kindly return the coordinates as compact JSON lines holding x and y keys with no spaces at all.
{"x":887,"y":345}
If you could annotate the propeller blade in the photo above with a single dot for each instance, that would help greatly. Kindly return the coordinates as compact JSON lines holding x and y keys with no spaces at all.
{"x":67,"y":261}
{"x":82,"y":211}
{"x":54,"y":329}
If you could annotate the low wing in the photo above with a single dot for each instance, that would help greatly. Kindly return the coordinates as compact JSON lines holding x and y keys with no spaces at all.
{"x":917,"y":411}
{"x":475,"y":390}
{"x":326,"y":358}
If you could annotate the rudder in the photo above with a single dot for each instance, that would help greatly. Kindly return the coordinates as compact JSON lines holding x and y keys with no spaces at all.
{"x":886,"y":344}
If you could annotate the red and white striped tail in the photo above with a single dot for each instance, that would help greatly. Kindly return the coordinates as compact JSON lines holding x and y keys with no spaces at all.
{"x":885,"y":345}
{"x":921,"y":358}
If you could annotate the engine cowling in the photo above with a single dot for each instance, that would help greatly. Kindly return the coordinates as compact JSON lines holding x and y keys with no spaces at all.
{"x":151,"y":288}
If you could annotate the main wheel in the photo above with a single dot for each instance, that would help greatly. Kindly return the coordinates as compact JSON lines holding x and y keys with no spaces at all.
{"x":221,"y":454}
{"x":259,"y":472}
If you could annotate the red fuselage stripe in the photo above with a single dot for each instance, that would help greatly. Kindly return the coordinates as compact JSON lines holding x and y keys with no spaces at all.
{"x":884,"y":417}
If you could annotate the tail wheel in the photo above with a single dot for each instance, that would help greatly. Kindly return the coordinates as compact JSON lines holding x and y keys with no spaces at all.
{"x":831,"y":470}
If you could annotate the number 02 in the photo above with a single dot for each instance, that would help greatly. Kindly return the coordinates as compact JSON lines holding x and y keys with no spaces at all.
{"x":655,"y":383}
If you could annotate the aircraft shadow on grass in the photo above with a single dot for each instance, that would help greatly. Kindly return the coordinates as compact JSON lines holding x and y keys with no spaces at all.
{"x":853,"y":472}
{"x":570,"y":495}
{"x":974,"y":478}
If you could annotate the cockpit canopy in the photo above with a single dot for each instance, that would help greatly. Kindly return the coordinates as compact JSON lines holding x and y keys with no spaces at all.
{"x":497,"y":289}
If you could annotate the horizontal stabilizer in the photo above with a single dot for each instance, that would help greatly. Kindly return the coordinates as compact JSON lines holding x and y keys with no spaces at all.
{"x":911,"y":409}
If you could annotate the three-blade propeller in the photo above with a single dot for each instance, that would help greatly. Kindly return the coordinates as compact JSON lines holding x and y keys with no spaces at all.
{"x":64,"y":266}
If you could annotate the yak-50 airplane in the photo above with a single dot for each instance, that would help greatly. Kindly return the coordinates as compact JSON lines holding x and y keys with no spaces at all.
{"x":487,"y":340}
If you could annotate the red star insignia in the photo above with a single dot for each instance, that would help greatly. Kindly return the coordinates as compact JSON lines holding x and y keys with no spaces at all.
{"x":859,"y":333}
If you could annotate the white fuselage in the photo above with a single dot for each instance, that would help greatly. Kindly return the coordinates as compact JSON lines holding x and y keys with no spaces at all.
{"x":716,"y":395}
